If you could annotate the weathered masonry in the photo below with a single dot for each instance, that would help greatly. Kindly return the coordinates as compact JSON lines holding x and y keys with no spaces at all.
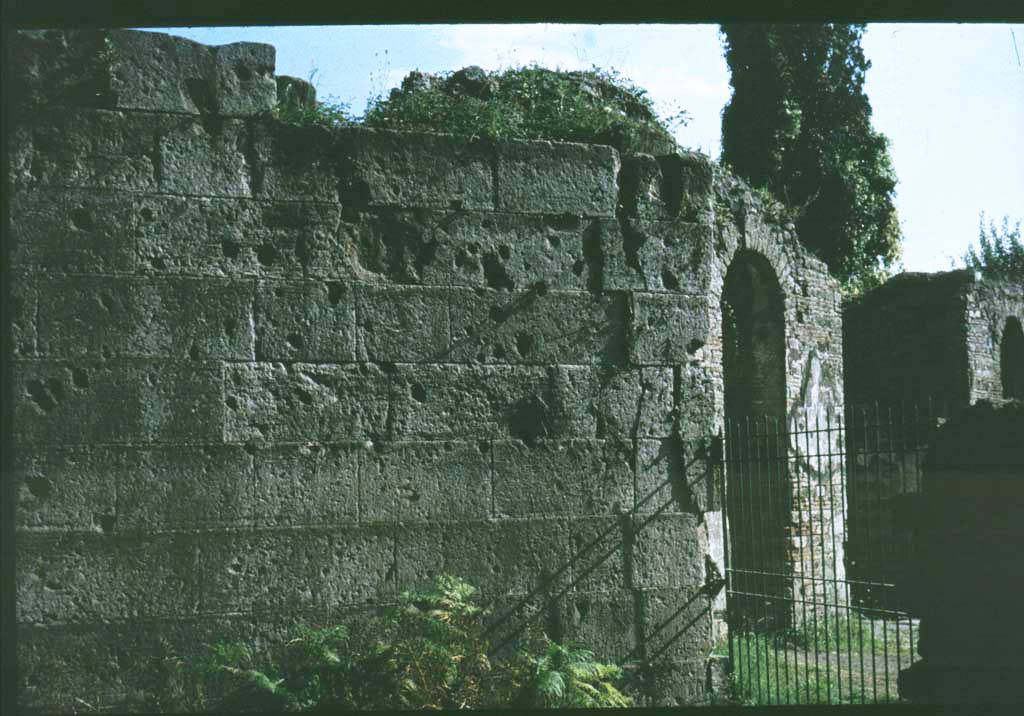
{"x":265,"y":373}
{"x":920,"y":345}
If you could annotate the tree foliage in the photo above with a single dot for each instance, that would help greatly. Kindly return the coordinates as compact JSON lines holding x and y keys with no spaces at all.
{"x":1000,"y":252}
{"x":799,"y":125}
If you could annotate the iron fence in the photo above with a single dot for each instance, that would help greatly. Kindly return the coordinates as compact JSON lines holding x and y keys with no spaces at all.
{"x":816,"y":546}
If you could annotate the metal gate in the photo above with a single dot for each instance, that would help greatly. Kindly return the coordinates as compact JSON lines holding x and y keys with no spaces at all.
{"x":815,"y":548}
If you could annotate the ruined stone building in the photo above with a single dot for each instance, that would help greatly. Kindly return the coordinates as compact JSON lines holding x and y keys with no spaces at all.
{"x":266,"y":372}
{"x":919,"y":346}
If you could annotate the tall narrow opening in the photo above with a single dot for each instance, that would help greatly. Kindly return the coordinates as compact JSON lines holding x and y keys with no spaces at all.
{"x":759,"y":502}
{"x":1011,"y":359}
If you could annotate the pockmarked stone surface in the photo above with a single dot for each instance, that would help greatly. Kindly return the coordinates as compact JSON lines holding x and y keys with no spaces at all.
{"x":266,"y":374}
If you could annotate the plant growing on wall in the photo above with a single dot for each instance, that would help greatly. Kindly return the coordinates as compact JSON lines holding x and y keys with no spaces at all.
{"x":594,"y":106}
{"x":1000,"y":252}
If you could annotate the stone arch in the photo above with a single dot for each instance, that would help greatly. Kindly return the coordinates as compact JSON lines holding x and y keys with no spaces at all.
{"x":1011,"y":359}
{"x":754,"y":387}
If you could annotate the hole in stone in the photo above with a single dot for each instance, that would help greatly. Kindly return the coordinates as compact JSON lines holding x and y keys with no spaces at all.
{"x":158,"y":263}
{"x":230,"y":326}
{"x":305,"y":397}
{"x":41,"y":396}
{"x":105,"y":352}
{"x":554,"y":241}
{"x":566,"y":222}
{"x":473,"y":249}
{"x":504,"y":252}
{"x":243,"y":73}
{"x":499,"y":352}
{"x":483,"y":446}
{"x":527,"y":421}
{"x":497,"y":314}
{"x":295,"y":340}
{"x":232,"y":402}
{"x":578,"y":266}
{"x":669,"y":280}
{"x":230,"y":249}
{"x":193,"y":351}
{"x":82,"y":219}
{"x":335,"y":291}
{"x":106,"y":301}
{"x":524,"y":344}
{"x":147,"y":214}
{"x":80,"y":378}
{"x":419,"y":393}
{"x":267,"y":255}
{"x":693,"y":346}
{"x":151,"y":379}
{"x":105,"y":522}
{"x":39,"y":487}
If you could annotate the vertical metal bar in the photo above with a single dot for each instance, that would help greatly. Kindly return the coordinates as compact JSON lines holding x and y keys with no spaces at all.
{"x":814,"y":568}
{"x":844,"y":427}
{"x":835,"y":555}
{"x":753,"y":484}
{"x":885,"y":603}
{"x":780,"y":495}
{"x":727,"y":543}
{"x":796,"y":505}
{"x":878,"y":482}
{"x":775,"y":539}
{"x":860,"y":621}
{"x":814,"y":465}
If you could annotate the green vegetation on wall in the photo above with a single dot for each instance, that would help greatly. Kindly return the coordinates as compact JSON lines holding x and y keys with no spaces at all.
{"x":595,"y":106}
{"x":1000,"y":252}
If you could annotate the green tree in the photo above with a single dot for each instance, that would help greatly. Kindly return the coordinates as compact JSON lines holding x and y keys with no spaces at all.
{"x":799,"y":125}
{"x":1000,"y":252}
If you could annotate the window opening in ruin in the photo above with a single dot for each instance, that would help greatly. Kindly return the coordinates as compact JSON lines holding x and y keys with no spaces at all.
{"x":758,"y":491}
{"x":1011,"y":359}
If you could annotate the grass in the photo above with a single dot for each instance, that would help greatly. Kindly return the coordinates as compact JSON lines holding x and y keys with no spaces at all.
{"x":818,"y":663}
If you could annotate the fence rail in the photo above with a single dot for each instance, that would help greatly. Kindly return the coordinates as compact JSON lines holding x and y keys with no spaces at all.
{"x":816,"y":549}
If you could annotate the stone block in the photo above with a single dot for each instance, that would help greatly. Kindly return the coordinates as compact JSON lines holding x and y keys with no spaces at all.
{"x":624,"y":403}
{"x":605,"y":622}
{"x":182,"y":319}
{"x":600,"y":550}
{"x":674,"y":475}
{"x":418,"y":481}
{"x":23,"y":304}
{"x":536,"y":177}
{"x":129,"y":69}
{"x":675,"y":625}
{"x":72,"y":488}
{"x":463,"y":401}
{"x":89,"y":402}
{"x":668,"y":187}
{"x":402,"y":324}
{"x":292,"y":570}
{"x":304,"y":402}
{"x":574,"y":477}
{"x":237,"y":237}
{"x":308,"y":321}
{"x":668,"y":551}
{"x":94,"y":149}
{"x":437,"y":171}
{"x":500,"y":558}
{"x":167,"y":488}
{"x":512,"y":251}
{"x":538,"y":327}
{"x":204,"y":157}
{"x":81,"y":577}
{"x":667,"y":329}
{"x":298,"y":163}
{"x":666,"y":256}
{"x":308,"y":484}
{"x":72,"y":231}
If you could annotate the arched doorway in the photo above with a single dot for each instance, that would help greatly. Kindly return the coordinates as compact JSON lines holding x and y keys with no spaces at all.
{"x":1011,"y":359}
{"x":758,"y":493}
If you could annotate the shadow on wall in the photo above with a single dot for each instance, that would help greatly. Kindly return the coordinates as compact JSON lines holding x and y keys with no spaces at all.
{"x":1011,"y":359}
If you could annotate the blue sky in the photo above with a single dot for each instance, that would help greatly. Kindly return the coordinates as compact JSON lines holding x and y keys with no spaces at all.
{"x":950,"y":97}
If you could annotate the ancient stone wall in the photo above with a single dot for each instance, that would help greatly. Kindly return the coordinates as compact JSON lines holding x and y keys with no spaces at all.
{"x":265,"y":373}
{"x":919,"y":346}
